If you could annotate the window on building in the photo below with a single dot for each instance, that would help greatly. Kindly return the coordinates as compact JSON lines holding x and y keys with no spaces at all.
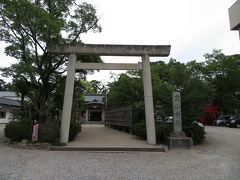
{"x":2,"y":114}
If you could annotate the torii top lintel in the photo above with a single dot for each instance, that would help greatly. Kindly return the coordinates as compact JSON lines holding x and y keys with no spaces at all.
{"x":111,"y":49}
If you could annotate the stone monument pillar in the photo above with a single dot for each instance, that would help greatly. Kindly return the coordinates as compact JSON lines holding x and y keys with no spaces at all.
{"x":178,"y":138}
{"x":177,"y":116}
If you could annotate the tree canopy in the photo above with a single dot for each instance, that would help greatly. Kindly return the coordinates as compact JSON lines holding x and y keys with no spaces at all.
{"x":213,"y":82}
{"x":28,"y":26}
{"x":223,"y":73}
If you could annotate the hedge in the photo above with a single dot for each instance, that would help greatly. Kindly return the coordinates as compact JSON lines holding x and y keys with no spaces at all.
{"x":18,"y":130}
{"x":196,"y":132}
{"x":75,"y":128}
{"x":48,"y":132}
{"x":163,"y":130}
{"x":139,"y":129}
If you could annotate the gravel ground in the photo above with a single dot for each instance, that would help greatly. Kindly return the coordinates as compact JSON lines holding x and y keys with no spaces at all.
{"x":218,"y":158}
{"x":2,"y":138}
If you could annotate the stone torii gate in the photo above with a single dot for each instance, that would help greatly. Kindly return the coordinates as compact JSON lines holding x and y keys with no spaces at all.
{"x":145,"y":51}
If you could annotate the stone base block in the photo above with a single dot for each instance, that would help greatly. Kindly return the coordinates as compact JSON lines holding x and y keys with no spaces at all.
{"x":180,"y":142}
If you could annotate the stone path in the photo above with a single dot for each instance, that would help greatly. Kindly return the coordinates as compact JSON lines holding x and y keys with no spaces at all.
{"x":96,"y":135}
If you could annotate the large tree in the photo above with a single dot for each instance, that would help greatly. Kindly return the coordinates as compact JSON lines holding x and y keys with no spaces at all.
{"x":28,"y":26}
{"x":223,"y":72}
{"x":166,"y":78}
{"x":186,"y":78}
{"x":126,"y":90}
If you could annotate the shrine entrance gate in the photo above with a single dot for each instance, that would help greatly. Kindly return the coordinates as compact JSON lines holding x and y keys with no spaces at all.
{"x":144,"y":51}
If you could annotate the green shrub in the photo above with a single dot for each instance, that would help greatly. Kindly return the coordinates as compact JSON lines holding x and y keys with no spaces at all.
{"x":49,"y":132}
{"x":75,"y":128}
{"x":18,"y":130}
{"x":138,"y":112}
{"x":163,"y":130}
{"x":196,"y":132}
{"x":139,"y":129}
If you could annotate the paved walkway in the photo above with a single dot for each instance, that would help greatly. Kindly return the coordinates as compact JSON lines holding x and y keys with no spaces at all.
{"x":96,"y":135}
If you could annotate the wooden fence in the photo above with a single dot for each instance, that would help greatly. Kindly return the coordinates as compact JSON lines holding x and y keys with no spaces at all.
{"x":120,"y":117}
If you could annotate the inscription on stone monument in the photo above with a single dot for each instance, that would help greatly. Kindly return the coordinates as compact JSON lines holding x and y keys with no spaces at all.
{"x":178,"y":138}
{"x":177,"y":120}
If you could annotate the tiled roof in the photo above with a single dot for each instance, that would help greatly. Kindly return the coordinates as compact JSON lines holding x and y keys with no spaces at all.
{"x":7,"y":94}
{"x":9,"y":102}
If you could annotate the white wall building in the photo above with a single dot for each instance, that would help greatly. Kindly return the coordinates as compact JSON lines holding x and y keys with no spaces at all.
{"x":8,"y":104}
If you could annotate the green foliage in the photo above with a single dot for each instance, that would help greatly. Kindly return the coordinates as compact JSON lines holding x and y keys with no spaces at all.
{"x":49,"y":132}
{"x":163,"y":130}
{"x":139,"y":129}
{"x":138,"y":112}
{"x":186,"y":78}
{"x":197,"y":133}
{"x":22,"y":115}
{"x":98,"y":87}
{"x":78,"y":101}
{"x":223,"y":73}
{"x":214,"y":82}
{"x":126,"y":90}
{"x":75,"y":128}
{"x":28,"y":27}
{"x":18,"y":130}
{"x":2,"y":85}
{"x":162,"y":90}
{"x":195,"y":96}
{"x":166,"y":78}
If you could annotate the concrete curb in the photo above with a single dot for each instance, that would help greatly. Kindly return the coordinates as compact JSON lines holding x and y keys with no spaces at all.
{"x":110,"y":149}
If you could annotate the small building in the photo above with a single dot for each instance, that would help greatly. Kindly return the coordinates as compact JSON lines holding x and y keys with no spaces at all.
{"x":7,"y":107}
{"x":9,"y":95}
{"x":95,"y":107}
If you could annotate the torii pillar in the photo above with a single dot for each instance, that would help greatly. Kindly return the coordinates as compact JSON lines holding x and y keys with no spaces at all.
{"x":148,"y":100}
{"x":68,"y":97}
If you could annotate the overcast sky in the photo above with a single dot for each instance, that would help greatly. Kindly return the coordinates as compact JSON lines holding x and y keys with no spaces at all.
{"x":191,"y":27}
